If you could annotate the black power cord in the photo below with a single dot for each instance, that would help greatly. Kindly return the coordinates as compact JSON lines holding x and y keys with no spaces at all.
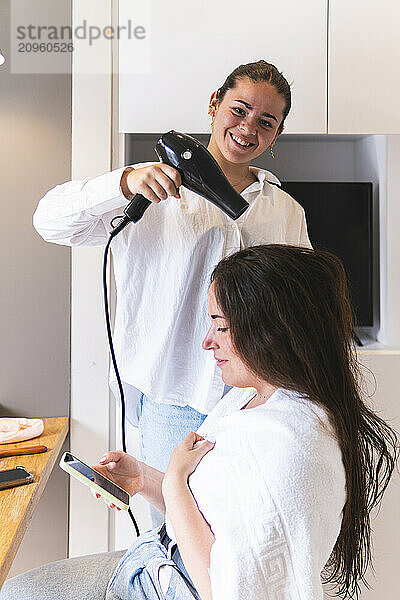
{"x":117,"y":229}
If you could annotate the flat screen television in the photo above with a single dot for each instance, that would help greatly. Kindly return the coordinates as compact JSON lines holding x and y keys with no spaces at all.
{"x":339,"y":219}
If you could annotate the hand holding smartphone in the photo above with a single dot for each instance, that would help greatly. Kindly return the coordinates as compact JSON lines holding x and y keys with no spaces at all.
{"x":95,"y":481}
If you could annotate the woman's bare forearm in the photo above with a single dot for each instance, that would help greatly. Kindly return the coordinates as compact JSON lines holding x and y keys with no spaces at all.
{"x":193,"y":534}
{"x":152,"y":487}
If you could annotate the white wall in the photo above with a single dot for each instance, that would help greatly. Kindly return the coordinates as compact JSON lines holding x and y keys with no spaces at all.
{"x":91,"y":156}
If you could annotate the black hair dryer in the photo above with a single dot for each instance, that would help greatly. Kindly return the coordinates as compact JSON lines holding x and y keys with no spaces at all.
{"x":199,"y":172}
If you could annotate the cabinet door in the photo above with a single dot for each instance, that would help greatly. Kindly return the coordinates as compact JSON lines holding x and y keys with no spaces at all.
{"x":167,"y":77}
{"x":364,"y":56}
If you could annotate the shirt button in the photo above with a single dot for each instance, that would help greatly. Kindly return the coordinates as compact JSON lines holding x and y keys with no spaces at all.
{"x":233,"y":226}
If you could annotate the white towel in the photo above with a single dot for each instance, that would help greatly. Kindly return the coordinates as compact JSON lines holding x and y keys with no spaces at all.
{"x":272,"y":490}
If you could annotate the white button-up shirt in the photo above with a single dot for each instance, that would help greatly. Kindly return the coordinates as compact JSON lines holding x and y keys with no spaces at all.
{"x":162,"y":267}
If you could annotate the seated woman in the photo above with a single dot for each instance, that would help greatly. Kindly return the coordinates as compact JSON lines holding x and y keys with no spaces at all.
{"x":272,"y":495}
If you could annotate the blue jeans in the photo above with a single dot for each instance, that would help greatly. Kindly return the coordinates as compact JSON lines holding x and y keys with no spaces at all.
{"x":138,"y":573}
{"x":161,"y":428}
{"x":107,"y":576}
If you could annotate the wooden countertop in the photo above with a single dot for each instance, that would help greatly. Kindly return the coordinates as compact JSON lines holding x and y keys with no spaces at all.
{"x":18,"y":504}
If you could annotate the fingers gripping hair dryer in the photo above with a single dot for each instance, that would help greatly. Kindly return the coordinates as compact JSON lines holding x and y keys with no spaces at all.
{"x":199,"y":172}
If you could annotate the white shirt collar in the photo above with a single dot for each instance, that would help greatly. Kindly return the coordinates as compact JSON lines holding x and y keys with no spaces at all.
{"x":264,"y":176}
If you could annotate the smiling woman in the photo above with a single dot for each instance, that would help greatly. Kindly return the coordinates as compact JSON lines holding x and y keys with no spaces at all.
{"x":248,"y":113}
{"x":247,"y":120}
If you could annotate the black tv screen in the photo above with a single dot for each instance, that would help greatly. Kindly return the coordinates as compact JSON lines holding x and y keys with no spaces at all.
{"x":339,"y":219}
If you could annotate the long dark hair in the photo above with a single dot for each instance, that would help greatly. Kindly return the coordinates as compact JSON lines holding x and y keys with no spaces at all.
{"x":291,"y":321}
{"x":260,"y":71}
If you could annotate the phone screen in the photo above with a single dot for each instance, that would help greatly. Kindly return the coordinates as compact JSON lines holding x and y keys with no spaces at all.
{"x":94,"y":476}
{"x":13,"y":475}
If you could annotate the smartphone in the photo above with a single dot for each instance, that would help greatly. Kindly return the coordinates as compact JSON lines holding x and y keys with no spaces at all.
{"x":95,"y":481}
{"x":13,"y":477}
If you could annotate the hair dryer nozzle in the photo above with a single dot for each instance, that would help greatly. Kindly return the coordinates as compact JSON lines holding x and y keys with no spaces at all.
{"x":200,"y":172}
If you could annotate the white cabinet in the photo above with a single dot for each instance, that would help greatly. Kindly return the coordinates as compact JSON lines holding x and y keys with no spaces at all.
{"x":167,"y":77}
{"x":364,"y":57}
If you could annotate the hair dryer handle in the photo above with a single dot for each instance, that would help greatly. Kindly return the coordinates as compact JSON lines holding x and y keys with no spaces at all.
{"x":136,"y":208}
